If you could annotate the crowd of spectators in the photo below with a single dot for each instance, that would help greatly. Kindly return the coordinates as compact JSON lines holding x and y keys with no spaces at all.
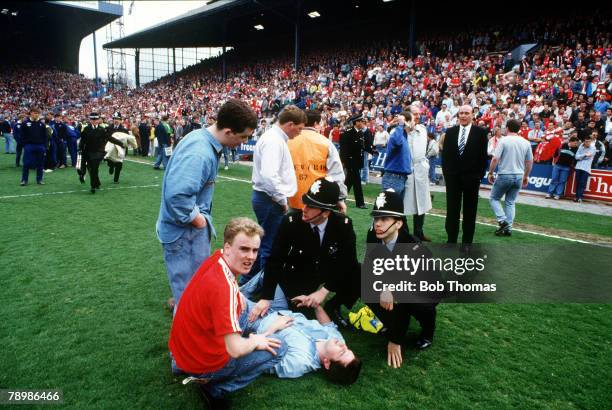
{"x":562,"y":88}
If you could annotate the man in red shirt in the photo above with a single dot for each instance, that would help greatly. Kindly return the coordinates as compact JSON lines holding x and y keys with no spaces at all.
{"x":206,"y":340}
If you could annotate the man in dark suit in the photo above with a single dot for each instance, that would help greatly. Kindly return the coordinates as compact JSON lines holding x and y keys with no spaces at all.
{"x":313,"y":246}
{"x":93,"y":140}
{"x":145,"y":132}
{"x":464,"y":163}
{"x":351,"y":155}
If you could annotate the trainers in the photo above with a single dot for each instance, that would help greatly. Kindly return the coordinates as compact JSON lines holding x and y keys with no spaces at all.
{"x":23,"y":183}
{"x":556,"y":197}
{"x":48,"y":170}
{"x":578,"y":200}
{"x":423,"y":343}
{"x":41,"y":183}
{"x":226,"y":168}
{"x":502,"y":227}
{"x":549,"y":196}
{"x":505,"y":232}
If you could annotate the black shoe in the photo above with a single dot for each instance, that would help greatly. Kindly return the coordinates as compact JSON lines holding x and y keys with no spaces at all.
{"x":23,"y":183}
{"x":93,"y":190}
{"x":465,"y":248}
{"x":214,"y":403}
{"x":110,"y":170}
{"x":362,"y":207}
{"x":503,"y":225}
{"x":423,"y":343}
{"x":82,"y":178}
{"x":505,"y":232}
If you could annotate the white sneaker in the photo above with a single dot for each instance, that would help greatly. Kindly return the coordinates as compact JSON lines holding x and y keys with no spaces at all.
{"x":48,"y":170}
{"x":226,"y":168}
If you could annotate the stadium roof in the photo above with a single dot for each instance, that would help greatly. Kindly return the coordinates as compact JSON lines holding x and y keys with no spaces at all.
{"x":204,"y":27}
{"x":50,"y":32}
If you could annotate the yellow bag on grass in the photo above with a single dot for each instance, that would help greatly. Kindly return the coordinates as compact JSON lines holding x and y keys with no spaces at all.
{"x":365,"y":319}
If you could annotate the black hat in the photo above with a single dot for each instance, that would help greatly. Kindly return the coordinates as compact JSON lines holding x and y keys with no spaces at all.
{"x":358,"y":117}
{"x":323,"y":194}
{"x":94,"y":116}
{"x":388,"y":203}
{"x":116,"y":115}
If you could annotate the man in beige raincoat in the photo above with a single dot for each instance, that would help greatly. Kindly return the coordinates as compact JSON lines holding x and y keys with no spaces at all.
{"x":116,"y":154}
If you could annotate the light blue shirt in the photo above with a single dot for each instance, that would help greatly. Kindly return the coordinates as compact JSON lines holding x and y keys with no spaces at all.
{"x":301,"y":338}
{"x":582,"y":161}
{"x":188,"y":185}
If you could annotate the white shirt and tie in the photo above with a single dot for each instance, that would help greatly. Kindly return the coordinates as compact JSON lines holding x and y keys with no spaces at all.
{"x":464,"y":132}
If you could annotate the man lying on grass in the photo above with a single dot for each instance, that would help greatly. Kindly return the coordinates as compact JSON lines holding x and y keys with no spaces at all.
{"x":311,"y":345}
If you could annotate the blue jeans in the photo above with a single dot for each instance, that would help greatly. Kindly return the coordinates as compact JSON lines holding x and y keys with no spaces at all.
{"x":508,"y":185}
{"x":395,"y":181}
{"x":559,"y":178}
{"x":582,"y":179}
{"x":9,"y":143}
{"x":433,"y":161}
{"x":269,"y":215}
{"x":184,"y":256}
{"x":238,"y":373}
{"x":161,"y":156}
{"x":226,"y":154}
{"x":365,"y":171}
{"x":254,"y":286}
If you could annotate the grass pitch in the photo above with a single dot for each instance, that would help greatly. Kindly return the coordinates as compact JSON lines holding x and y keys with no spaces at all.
{"x":83,"y":288}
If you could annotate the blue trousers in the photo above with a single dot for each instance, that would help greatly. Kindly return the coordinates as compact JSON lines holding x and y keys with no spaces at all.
{"x":238,"y":373}
{"x":582,"y":179}
{"x":269,"y":215}
{"x":9,"y":143}
{"x":72,"y":149}
{"x":61,"y":158}
{"x":509,"y":186}
{"x":19,"y":151}
{"x":161,"y":157}
{"x":184,"y":256}
{"x":33,"y":157}
{"x":395,"y":181}
{"x":558,"y":180}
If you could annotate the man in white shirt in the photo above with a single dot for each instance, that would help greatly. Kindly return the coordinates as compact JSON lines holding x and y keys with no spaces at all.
{"x":274,"y":178}
{"x":515,"y":159}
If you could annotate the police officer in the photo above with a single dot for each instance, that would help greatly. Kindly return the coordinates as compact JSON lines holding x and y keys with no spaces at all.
{"x":313,"y":246}
{"x":62,"y":140}
{"x":388,"y":229}
{"x":93,"y":140}
{"x":351,"y":153}
{"x":33,"y":136}
{"x":116,"y":126}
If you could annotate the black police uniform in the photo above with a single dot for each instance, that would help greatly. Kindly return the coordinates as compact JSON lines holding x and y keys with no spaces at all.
{"x":351,"y":154}
{"x":397,"y":321}
{"x":300,"y":263}
{"x":92,"y":143}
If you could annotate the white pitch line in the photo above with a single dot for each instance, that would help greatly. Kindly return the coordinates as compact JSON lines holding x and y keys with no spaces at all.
{"x":442,"y":216}
{"x":73,"y":192}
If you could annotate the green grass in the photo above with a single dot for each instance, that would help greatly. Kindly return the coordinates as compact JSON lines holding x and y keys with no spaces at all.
{"x":82,"y":307}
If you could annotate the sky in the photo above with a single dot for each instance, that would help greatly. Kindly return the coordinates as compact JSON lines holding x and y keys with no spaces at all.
{"x":144,"y":15}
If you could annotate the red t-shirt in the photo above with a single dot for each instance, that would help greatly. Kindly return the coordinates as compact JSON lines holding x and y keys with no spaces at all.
{"x":209,"y":309}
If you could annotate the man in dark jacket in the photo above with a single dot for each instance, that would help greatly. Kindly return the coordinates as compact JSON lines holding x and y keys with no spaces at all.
{"x":33,"y":137}
{"x":93,"y":140}
{"x":145,"y":132}
{"x":313,"y":246}
{"x":464,"y":164}
{"x":351,"y":154}
{"x":164,"y":140}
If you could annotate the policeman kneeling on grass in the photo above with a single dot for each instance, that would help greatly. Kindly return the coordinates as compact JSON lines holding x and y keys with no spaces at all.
{"x":313,"y":254}
{"x":388,"y":229}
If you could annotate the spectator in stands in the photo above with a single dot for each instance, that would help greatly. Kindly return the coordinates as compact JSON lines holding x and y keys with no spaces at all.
{"x":563,"y":161}
{"x":584,"y":159}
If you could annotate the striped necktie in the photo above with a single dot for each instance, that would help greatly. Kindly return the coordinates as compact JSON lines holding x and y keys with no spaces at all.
{"x":462,"y":141}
